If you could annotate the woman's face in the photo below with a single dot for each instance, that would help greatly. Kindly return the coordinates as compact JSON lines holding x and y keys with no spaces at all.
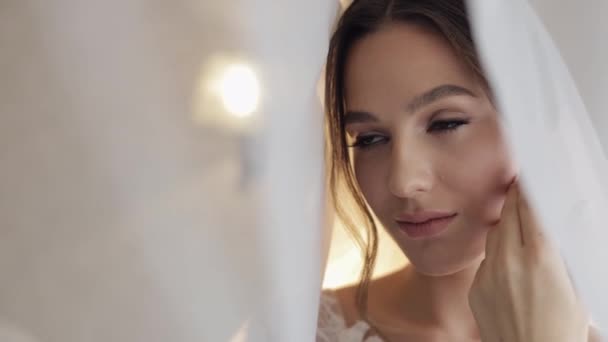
{"x":427,"y":147}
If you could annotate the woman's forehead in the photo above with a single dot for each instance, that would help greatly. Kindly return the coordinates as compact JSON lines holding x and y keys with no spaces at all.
{"x":402,"y":60}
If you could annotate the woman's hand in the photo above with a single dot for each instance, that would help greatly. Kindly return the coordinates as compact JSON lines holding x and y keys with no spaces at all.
{"x":522,"y":291}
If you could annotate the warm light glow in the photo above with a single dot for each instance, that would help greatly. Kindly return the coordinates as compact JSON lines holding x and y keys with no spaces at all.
{"x":240,"y":90}
{"x":227,"y":94}
{"x":242,"y":334}
{"x":344,"y":264}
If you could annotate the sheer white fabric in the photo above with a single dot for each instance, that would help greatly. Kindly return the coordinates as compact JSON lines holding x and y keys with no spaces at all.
{"x":127,"y":214}
{"x":555,"y":139}
{"x":332,"y":326}
{"x":133,"y":206}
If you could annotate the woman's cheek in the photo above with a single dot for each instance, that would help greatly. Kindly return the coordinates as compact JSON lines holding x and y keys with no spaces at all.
{"x":483,"y":176}
{"x":491,"y":209}
{"x":371,"y":175}
{"x":501,"y":173}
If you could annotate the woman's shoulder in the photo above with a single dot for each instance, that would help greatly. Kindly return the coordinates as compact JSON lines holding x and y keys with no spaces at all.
{"x":336,"y":322}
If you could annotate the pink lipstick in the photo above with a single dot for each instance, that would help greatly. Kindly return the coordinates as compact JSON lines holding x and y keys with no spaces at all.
{"x":424,"y":224}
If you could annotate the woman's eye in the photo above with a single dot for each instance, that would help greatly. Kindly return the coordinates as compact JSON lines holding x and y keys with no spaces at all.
{"x":443,"y":126}
{"x":367,"y":141}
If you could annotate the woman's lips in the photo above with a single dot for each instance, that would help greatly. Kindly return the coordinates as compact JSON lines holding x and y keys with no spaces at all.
{"x":426,"y":228}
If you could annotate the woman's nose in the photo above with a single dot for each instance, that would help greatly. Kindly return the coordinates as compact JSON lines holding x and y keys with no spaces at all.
{"x":410,"y":172}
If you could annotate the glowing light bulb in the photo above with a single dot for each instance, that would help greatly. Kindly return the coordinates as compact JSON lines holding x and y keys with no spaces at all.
{"x":240,"y":90}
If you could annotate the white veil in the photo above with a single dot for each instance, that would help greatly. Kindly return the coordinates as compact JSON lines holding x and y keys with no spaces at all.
{"x":554,"y":137}
{"x":134,"y":208}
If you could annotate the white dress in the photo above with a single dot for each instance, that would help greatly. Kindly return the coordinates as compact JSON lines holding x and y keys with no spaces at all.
{"x":332,"y":327}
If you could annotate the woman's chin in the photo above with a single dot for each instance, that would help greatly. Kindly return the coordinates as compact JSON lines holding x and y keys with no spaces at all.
{"x":442,"y":268}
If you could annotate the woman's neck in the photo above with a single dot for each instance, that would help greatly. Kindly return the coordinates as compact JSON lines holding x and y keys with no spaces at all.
{"x":436,"y":303}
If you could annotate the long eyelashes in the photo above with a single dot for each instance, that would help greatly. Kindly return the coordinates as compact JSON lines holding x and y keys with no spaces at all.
{"x":437,"y":127}
{"x":369,"y":140}
{"x":445,"y":126}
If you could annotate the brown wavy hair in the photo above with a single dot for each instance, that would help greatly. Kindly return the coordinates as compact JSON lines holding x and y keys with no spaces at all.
{"x":363,"y":17}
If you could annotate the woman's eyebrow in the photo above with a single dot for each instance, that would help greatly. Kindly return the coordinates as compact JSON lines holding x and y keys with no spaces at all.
{"x":436,"y":94}
{"x":356,"y":116}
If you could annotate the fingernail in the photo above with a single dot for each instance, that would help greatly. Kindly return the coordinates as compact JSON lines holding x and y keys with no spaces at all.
{"x":513,"y":194}
{"x":513,"y":187}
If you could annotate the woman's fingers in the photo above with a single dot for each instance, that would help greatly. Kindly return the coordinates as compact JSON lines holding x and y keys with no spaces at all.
{"x":506,"y":236}
{"x":522,"y":291}
{"x":518,"y":230}
{"x":531,"y":228}
{"x":492,"y":244}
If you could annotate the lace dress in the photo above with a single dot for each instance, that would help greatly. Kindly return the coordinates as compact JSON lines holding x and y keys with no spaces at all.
{"x":332,"y":327}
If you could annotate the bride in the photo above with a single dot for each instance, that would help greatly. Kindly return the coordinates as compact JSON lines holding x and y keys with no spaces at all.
{"x":415,"y":147}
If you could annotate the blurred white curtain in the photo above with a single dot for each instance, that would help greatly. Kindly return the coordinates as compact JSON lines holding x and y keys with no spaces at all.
{"x":555,"y":133}
{"x":133,"y":208}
